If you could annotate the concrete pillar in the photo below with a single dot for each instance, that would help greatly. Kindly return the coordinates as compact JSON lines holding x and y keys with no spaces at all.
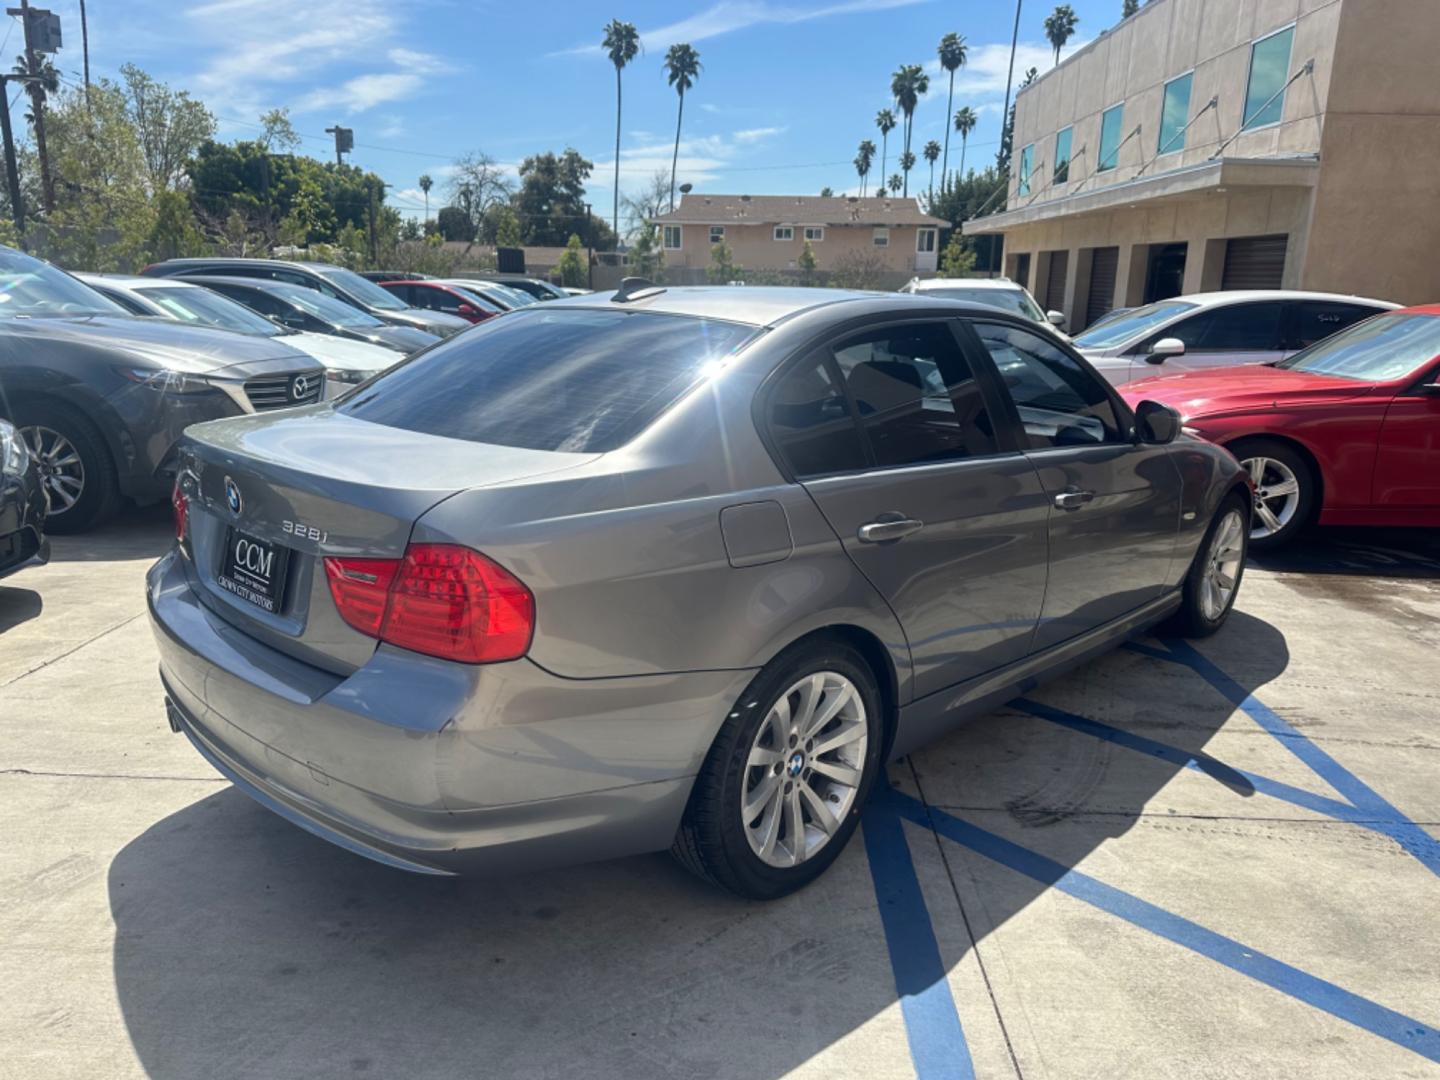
{"x":1204,"y":264}
{"x":1077,"y":287}
{"x":1130,"y":275}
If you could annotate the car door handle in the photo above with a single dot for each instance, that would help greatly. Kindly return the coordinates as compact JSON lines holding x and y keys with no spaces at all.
{"x":1073,"y":499}
{"x":888,"y":528}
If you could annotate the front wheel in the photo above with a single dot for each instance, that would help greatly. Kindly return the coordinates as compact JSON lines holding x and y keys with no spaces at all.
{"x":75,"y":467}
{"x":1214,"y":580}
{"x":781,"y":790}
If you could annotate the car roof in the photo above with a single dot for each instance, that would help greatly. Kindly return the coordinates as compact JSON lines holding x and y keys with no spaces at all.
{"x":1421,"y":309}
{"x":263,"y":284}
{"x":129,"y":282}
{"x":756,"y":305}
{"x":1237,"y":296}
{"x":925,"y":284}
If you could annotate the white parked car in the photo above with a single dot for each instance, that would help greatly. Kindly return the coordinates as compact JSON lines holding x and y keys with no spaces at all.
{"x":1220,"y":329}
{"x":999,"y":293}
{"x":346,"y":362}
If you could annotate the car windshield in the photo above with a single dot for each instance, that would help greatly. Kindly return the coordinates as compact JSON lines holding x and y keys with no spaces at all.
{"x":484,"y":303}
{"x":570,"y":380}
{"x":367,"y":292}
{"x":201,"y":307}
{"x":1015,"y":301}
{"x":31,"y":289}
{"x":1132,"y":324}
{"x":327,"y":309}
{"x":1380,"y":349}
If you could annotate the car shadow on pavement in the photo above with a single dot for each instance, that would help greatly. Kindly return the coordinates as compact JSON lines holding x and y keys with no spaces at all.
{"x":247,"y":947}
{"x":1395,"y":553}
{"x":18,"y":606}
{"x":137,"y":532}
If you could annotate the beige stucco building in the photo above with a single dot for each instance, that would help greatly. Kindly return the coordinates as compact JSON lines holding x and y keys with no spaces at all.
{"x":768,"y":232}
{"x":1211,"y":144}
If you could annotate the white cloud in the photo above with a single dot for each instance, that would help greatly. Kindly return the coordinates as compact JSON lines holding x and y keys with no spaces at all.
{"x":422,"y":63}
{"x":731,"y":15}
{"x":361,"y":93}
{"x":750,"y":135}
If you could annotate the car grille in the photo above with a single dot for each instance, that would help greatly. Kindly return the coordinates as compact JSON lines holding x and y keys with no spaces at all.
{"x":283,"y":391}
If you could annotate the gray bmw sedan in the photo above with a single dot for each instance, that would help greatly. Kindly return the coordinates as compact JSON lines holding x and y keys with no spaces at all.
{"x":668,"y":568}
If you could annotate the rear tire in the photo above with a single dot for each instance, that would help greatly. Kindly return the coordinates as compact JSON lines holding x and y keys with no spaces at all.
{"x":802,"y":746}
{"x":1207,"y":598}
{"x":1286,"y":490}
{"x":76,"y":468}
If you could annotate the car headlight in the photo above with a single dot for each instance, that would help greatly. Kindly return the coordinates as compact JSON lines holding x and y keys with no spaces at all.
{"x":14,"y":454}
{"x":347,"y":375}
{"x":164,"y":381}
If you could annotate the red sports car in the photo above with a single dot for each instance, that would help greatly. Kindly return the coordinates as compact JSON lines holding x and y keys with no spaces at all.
{"x":1346,"y":432}
{"x":440,"y":296}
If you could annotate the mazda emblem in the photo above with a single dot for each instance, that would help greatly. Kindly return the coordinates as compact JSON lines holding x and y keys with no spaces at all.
{"x":299,"y":387}
{"x":232,"y":496}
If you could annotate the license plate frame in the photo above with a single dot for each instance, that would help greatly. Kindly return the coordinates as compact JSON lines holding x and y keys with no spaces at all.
{"x":254,"y":569}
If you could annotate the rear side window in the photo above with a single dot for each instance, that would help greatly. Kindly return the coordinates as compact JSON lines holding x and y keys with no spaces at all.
{"x":810,"y":420}
{"x":1319,"y":319}
{"x":572,"y":380}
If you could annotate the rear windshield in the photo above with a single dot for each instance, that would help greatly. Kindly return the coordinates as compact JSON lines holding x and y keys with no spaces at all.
{"x":573,"y":380}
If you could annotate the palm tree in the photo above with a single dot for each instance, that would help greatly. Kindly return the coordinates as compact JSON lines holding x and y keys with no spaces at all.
{"x":907,"y":162}
{"x":863,"y":160}
{"x":1130,"y":7}
{"x":907,"y":84}
{"x":932,"y":155}
{"x":41,"y":82}
{"x":621,"y":43}
{"x":682,"y":68}
{"x":952,"y":59}
{"x":895,"y":183}
{"x":425,"y":185}
{"x":885,"y":121}
{"x":1060,"y":27}
{"x":965,"y":121}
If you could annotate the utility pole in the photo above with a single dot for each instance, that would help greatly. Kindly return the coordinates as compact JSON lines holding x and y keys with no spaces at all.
{"x":1009,"y":81}
{"x":44,"y":26}
{"x":590,"y":249}
{"x":12,"y":173}
{"x":85,"y":49}
{"x":344,"y":141}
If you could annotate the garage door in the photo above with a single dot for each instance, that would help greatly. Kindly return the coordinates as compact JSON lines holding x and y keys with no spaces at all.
{"x":1254,"y":262}
{"x":1055,"y":280}
{"x":1104,"y":263}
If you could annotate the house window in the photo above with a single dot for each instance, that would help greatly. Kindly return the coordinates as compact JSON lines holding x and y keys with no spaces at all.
{"x":1173,"y":114}
{"x":814,"y":233}
{"x":784,"y":232}
{"x":1110,"y":121}
{"x":717,"y":234}
{"x":1027,"y":157}
{"x":880,"y":237}
{"x":925,"y":241}
{"x":671,"y":239}
{"x":1062,"y":155}
{"x":1269,"y":68}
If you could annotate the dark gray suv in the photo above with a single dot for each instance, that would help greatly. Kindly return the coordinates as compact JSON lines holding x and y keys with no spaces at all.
{"x":668,"y":569}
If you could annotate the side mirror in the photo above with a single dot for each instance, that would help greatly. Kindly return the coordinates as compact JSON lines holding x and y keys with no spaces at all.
{"x":467,"y":310}
{"x":1156,"y":423}
{"x":1166,"y":346}
{"x":1056,"y":319}
{"x":1429,"y":389}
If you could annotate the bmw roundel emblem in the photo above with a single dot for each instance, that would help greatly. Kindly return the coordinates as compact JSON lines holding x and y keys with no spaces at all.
{"x":232,"y":496}
{"x":299,"y":387}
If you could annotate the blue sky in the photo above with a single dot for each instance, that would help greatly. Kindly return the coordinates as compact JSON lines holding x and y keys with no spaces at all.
{"x":788,"y":89}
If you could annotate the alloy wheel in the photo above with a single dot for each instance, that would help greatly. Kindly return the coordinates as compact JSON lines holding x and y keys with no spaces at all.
{"x":62,"y":473}
{"x":804,"y":769}
{"x":1277,"y":495}
{"x":1222,"y":566}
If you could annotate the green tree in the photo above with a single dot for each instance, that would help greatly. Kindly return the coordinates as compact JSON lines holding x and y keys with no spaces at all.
{"x":1128,"y":8}
{"x":965,"y":121}
{"x":551,"y":202}
{"x":425,"y":185}
{"x":453,"y":223}
{"x":1060,"y":27}
{"x":968,"y":197}
{"x":174,"y":234}
{"x":864,"y":158}
{"x":885,"y":121}
{"x":682,"y":68}
{"x":807,"y":263}
{"x":722,"y":269}
{"x":572,"y":263}
{"x":1002,"y":156}
{"x":952,"y":52}
{"x":827,"y":192}
{"x":621,"y":43}
{"x":896,"y":183}
{"x":956,"y":260}
{"x":646,"y":255}
{"x":907,"y":84}
{"x":310,"y":219}
{"x":932,"y":155}
{"x":170,"y":125}
{"x":507,"y":228}
{"x":277,"y":134}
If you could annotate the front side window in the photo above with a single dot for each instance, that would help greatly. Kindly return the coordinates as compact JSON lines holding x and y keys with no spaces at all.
{"x":1232,"y":328}
{"x":1060,"y":403}
{"x":810,"y":420}
{"x":32,"y":289}
{"x":570,"y":380}
{"x":1027,"y":159}
{"x":201,"y":307}
{"x":880,"y":237}
{"x":1174,"y":112}
{"x":1062,"y":155}
{"x":1321,"y":318}
{"x":1388,"y":347}
{"x":784,"y":232}
{"x":925,"y":241}
{"x":1110,"y":121}
{"x":814,"y":233}
{"x":914,"y":394}
{"x":717,"y":234}
{"x":671,"y":238}
{"x":327,"y":309}
{"x":1269,"y":69}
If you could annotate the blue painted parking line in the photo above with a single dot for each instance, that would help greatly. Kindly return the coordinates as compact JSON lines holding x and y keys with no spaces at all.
{"x":1368,"y":1015}
{"x":932,"y":1023}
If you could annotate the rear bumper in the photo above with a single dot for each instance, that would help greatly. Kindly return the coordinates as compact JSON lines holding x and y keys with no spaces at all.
{"x":437,"y":767}
{"x":22,"y":518}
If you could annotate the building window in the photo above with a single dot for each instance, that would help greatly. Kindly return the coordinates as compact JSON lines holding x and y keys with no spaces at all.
{"x":1027,"y":157}
{"x":880,"y":237}
{"x":1269,"y":68}
{"x":1110,"y":121}
{"x":717,"y":234}
{"x":1062,"y":155}
{"x":784,"y":232}
{"x":1173,"y":113}
{"x":925,"y":241}
{"x":671,"y":239}
{"x":814,"y":233}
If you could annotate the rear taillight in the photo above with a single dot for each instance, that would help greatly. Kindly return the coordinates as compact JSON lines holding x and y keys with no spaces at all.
{"x":440,"y":599}
{"x":180,"y":503}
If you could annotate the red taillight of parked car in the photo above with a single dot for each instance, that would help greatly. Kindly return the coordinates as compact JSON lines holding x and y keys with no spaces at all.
{"x":180,"y":504}
{"x":440,"y":599}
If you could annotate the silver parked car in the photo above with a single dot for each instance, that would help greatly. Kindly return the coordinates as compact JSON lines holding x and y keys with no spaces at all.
{"x":668,"y":569}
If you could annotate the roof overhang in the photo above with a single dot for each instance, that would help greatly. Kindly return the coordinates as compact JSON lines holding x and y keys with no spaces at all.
{"x":1209,"y":177}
